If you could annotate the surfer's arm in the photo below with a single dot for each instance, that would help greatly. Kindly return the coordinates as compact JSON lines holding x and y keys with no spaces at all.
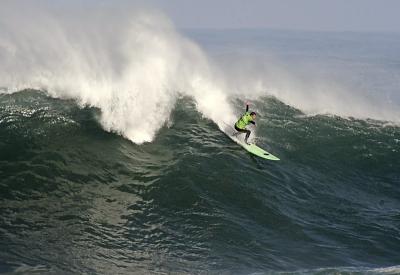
{"x":247,"y":107}
{"x":252,"y":122}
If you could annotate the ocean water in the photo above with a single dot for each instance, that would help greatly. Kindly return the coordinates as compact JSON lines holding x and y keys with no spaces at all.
{"x":114,"y":158}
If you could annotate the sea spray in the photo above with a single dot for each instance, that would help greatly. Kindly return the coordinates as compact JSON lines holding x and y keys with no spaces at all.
{"x":132,"y":67}
{"x":315,"y":73}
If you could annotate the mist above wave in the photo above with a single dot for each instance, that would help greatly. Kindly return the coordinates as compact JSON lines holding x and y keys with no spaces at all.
{"x":131,"y":63}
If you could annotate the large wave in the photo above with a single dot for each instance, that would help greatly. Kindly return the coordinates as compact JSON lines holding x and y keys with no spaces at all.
{"x":132,"y":64}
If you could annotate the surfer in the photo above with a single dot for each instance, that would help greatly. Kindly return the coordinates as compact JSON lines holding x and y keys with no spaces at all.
{"x":240,"y":125}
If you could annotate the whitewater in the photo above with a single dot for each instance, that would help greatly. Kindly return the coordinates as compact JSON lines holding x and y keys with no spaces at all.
{"x":133,"y":68}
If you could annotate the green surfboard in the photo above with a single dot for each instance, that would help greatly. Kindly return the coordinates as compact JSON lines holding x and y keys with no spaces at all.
{"x":251,"y":148}
{"x":255,"y":150}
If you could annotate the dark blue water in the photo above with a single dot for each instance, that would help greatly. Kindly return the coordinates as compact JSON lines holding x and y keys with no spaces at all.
{"x":76,"y":199}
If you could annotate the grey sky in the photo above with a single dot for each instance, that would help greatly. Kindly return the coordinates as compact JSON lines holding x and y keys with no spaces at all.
{"x":338,"y":15}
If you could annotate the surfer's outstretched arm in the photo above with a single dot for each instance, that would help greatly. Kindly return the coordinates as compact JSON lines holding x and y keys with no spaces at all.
{"x":247,"y":107}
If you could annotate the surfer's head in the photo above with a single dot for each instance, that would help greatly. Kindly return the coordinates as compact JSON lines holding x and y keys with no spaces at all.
{"x":253,"y":115}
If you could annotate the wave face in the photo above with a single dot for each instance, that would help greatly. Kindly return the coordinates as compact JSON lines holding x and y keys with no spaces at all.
{"x":77,"y":199}
{"x":114,"y":157}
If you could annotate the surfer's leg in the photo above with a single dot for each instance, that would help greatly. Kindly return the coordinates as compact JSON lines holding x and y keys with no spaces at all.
{"x":244,"y":131}
{"x":240,"y":130}
{"x":248,"y":132}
